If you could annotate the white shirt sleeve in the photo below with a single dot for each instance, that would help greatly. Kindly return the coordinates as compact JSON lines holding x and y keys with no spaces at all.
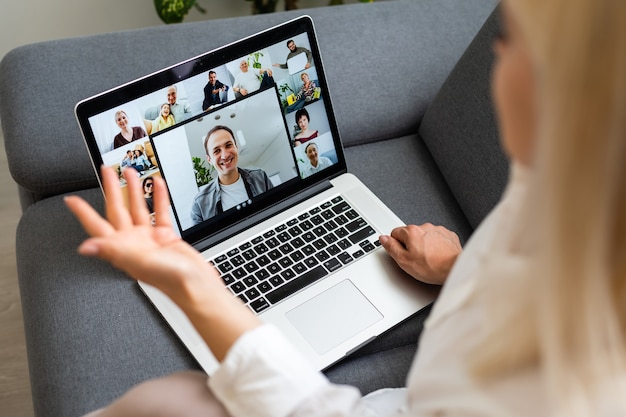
{"x":264,"y":376}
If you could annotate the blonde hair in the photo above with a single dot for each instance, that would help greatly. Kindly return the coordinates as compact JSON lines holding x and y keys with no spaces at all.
{"x":572,"y":318}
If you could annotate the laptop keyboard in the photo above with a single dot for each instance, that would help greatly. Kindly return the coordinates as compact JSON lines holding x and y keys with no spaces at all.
{"x":289,"y":257}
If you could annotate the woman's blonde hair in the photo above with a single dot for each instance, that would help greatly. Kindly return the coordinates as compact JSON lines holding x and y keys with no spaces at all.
{"x":572,"y":321}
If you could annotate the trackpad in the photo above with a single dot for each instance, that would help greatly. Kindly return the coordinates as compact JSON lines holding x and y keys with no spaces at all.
{"x":333,"y":316}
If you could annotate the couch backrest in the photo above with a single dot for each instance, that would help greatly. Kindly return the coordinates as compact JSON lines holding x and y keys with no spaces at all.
{"x":384,"y":61}
{"x":460,"y":130}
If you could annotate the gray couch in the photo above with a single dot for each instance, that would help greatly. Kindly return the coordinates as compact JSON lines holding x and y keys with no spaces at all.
{"x":412,"y":100}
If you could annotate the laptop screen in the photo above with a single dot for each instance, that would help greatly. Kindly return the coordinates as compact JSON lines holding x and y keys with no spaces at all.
{"x":233,"y":132}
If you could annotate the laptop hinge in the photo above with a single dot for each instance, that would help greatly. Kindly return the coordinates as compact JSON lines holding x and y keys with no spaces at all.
{"x":262,"y":216}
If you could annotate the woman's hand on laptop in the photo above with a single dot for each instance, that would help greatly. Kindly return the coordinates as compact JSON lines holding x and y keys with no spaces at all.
{"x":157,"y":256}
{"x":425,"y":252}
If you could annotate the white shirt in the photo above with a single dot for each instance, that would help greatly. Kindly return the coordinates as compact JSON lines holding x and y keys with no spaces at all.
{"x":263,"y":375}
{"x":248,"y":80}
{"x":233,"y":194}
{"x":322,"y":162}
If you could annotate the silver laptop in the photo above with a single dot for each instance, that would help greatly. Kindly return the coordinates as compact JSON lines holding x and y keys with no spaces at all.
{"x":258,"y":183}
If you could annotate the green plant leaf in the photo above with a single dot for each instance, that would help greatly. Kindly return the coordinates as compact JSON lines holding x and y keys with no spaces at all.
{"x":173,"y":11}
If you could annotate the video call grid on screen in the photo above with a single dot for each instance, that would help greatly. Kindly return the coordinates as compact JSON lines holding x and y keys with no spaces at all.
{"x":265,"y":124}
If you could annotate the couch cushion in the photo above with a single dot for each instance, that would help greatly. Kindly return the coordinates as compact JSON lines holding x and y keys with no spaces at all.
{"x":402,"y":173}
{"x":381,"y":80}
{"x":459,"y":129}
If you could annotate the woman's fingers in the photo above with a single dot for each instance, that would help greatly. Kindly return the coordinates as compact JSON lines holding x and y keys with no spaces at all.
{"x":137,"y":203}
{"x":161,"y":203}
{"x":89,"y":218}
{"x":116,"y":210}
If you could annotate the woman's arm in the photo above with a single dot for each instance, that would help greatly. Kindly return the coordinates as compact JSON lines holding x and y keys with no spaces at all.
{"x":157,"y":256}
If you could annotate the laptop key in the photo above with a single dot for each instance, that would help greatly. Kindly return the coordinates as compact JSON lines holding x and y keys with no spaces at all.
{"x":261,"y":248}
{"x":317,"y":220}
{"x":237,"y":287}
{"x":345,"y":258}
{"x":259,"y":305}
{"x":332,"y":264}
{"x":251,"y":267}
{"x":309,"y":236}
{"x":308,"y":250}
{"x":263,"y":260}
{"x":368,"y":247}
{"x":274,"y":254}
{"x":341,"y":207}
{"x":320,"y":244}
{"x":331,"y":238}
{"x":249,"y":254}
{"x":264,"y":287}
{"x":356,"y":225}
{"x":294,"y":286}
{"x":341,"y":219}
{"x":362,"y":234}
{"x":319,"y":231}
{"x":225,"y":267}
{"x":286,"y":248}
{"x":333,"y":250}
{"x":250,"y":281}
{"x":299,"y":268}
{"x":274,"y":268}
{"x":331,"y":225}
{"x":311,"y":261}
{"x":262,"y":274}
{"x":252,"y":293}
{"x":237,"y":260}
{"x":285,"y":262}
{"x":276,"y":281}
{"x":288,"y":274}
{"x":239,"y":273}
{"x":344,"y":244}
{"x":297,"y":256}
{"x":228,"y":279}
{"x":272,"y":242}
{"x":322,"y":256}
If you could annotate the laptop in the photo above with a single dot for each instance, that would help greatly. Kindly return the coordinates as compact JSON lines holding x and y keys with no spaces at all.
{"x":295,"y":237}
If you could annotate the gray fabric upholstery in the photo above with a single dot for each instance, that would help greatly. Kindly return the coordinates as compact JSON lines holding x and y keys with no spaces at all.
{"x":381,"y":78}
{"x":460,"y":130}
{"x":90,"y":333}
{"x":402,"y":173}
